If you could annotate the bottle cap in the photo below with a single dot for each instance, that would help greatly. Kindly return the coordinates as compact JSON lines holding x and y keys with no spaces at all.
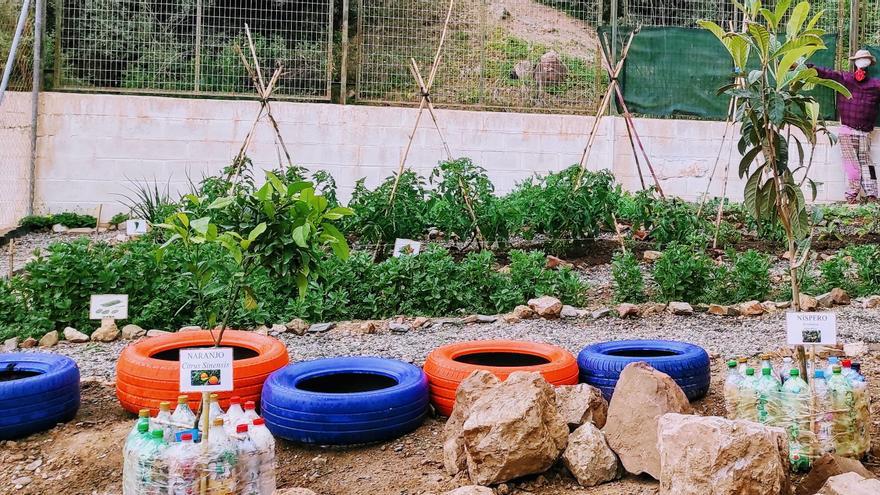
{"x":143,"y":427}
{"x":259,"y":422}
{"x":766,"y":371}
{"x":731,"y":364}
{"x":157,"y":434}
{"x":836,"y":369}
{"x":250,"y":405}
{"x":241,"y":428}
{"x":742,"y":360}
{"x":833,"y":359}
{"x":186,"y":437}
{"x":819,"y":374}
{"x":857,"y":367}
{"x":235,"y":400}
{"x":750,"y":371}
{"x":218,"y":421}
{"x":182,"y":399}
{"x":794,"y":372}
{"x":847,"y":363}
{"x":786,"y":359}
{"x":164,"y":406}
{"x":144,"y":413}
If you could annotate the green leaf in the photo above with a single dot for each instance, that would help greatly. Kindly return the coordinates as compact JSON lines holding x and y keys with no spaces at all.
{"x":264,"y":192}
{"x":747,"y":160}
{"x":797,"y":18}
{"x":302,"y":285}
{"x":276,"y":182}
{"x":259,"y":229}
{"x":300,"y":235}
{"x":761,"y":38}
{"x":828,"y":83}
{"x":339,"y":246}
{"x":781,"y":8}
{"x":250,"y":301}
{"x":750,"y":193}
{"x":337,"y":213}
{"x":221,"y":202}
{"x":200,"y":225}
{"x":788,"y":60}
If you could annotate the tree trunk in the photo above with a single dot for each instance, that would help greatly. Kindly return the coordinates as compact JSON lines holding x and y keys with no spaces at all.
{"x":796,"y":300}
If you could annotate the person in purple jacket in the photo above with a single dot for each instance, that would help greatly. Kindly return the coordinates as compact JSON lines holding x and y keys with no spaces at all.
{"x":857,"y":117}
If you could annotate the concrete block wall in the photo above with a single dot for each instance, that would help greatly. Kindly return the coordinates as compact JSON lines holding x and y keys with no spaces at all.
{"x":91,"y":147}
{"x":15,"y":157}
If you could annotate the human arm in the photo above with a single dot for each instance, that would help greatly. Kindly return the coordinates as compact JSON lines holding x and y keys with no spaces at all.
{"x":824,"y":73}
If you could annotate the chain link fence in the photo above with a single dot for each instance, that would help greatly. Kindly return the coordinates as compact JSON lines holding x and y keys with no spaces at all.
{"x":193,"y":46}
{"x":15,"y":117}
{"x":499,"y":54}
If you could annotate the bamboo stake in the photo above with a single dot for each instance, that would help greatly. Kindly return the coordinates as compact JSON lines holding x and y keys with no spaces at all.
{"x":11,"y":258}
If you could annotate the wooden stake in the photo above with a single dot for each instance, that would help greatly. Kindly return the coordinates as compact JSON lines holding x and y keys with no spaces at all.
{"x":206,"y":427}
{"x":11,"y":258}
{"x":98,"y":218}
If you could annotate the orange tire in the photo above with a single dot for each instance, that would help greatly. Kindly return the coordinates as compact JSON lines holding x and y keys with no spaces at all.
{"x":447,"y":366}
{"x":147,"y":371}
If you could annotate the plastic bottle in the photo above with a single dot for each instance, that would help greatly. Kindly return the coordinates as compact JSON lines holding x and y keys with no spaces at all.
{"x":130,"y":453}
{"x":765,"y":364}
{"x":214,"y":410}
{"x":824,"y":417}
{"x":846,"y":369}
{"x":784,"y":370}
{"x":248,"y":463}
{"x":143,"y":418}
{"x":796,"y":399}
{"x":843,"y":406}
{"x":862,"y":420}
{"x":768,"y":397}
{"x":731,"y":390}
{"x":162,"y":421}
{"x":857,"y":367}
{"x":183,"y":418}
{"x":222,"y":461}
{"x":829,"y":371}
{"x":743,"y":365}
{"x":230,"y":420}
{"x":747,"y":405}
{"x":183,"y":467}
{"x":152,"y":466}
{"x":265,"y":443}
{"x":249,"y":414}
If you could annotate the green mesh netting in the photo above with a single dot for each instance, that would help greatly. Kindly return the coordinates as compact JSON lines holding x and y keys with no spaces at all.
{"x":674,"y":71}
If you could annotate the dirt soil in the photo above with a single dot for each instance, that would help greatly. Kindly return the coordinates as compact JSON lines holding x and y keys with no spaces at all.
{"x":84,"y":457}
{"x":542,"y":24}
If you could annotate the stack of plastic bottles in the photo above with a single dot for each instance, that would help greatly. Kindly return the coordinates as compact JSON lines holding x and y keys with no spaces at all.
{"x":829,"y":415}
{"x":164,"y":456}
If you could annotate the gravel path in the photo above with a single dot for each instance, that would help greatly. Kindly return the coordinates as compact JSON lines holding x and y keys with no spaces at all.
{"x":724,"y":336}
{"x":28,"y":243}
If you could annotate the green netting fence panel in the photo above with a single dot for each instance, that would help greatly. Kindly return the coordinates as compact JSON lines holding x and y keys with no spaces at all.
{"x":676,"y":72}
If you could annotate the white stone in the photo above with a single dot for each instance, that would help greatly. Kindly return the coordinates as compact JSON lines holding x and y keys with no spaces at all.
{"x":589,"y":458}
{"x":73,"y":335}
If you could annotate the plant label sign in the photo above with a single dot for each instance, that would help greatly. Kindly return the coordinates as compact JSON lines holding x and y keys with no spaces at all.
{"x":207,"y":369}
{"x":811,"y":328}
{"x":135,"y":226}
{"x":406,"y":246}
{"x":113,"y":306}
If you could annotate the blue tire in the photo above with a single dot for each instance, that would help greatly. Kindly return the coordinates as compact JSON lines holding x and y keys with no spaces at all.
{"x":345,"y":401}
{"x":37,"y":391}
{"x":600,"y":364}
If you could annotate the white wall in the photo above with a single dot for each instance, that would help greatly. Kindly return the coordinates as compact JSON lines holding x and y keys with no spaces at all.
{"x":91,"y":145}
{"x":15,"y":157}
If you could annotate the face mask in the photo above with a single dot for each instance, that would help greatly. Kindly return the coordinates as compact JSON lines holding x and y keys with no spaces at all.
{"x":862,"y":63}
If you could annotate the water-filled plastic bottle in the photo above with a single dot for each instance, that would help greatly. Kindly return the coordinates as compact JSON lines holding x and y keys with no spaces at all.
{"x":824,"y":417}
{"x":796,"y":399}
{"x":249,"y":414}
{"x":214,"y":410}
{"x":152,"y":465}
{"x":829,"y":370}
{"x":183,"y":418}
{"x":768,"y":397}
{"x":222,"y":461}
{"x":248,"y":463}
{"x":784,"y":370}
{"x":230,"y":419}
{"x":265,"y":443}
{"x":846,"y":369}
{"x":184,"y":467}
{"x":743,"y":365}
{"x":863,"y":415}
{"x":747,"y":405}
{"x":843,"y":407}
{"x":130,"y":452}
{"x":765,"y":363}
{"x":162,"y":421}
{"x":731,"y":390}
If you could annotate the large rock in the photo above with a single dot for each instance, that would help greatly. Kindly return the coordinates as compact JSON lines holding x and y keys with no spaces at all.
{"x":580,"y":404}
{"x":850,"y":484}
{"x":680,"y":308}
{"x":641,"y":396}
{"x":469,"y":390}
{"x":550,"y":70}
{"x":50,"y":339}
{"x":514,"y":430}
{"x":107,"y":332}
{"x":751,"y":308}
{"x":297,"y":326}
{"x":28,"y":343}
{"x":625,"y":310}
{"x":871,"y":302}
{"x":132,"y":332}
{"x":471,"y":490}
{"x":73,"y":335}
{"x":710,"y":455}
{"x":524,"y":312}
{"x":808,"y":302}
{"x":10,"y":344}
{"x":651,"y":256}
{"x":522,"y":70}
{"x":546,"y":306}
{"x":722,"y":310}
{"x":589,"y":458}
{"x":827,"y":466}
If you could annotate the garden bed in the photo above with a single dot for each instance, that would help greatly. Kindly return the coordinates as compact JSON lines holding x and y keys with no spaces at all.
{"x":85,"y":455}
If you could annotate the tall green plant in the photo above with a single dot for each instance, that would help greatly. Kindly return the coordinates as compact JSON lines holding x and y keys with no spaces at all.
{"x":772,"y":102}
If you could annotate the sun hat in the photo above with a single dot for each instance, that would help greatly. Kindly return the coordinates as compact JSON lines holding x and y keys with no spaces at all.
{"x":864,"y":54}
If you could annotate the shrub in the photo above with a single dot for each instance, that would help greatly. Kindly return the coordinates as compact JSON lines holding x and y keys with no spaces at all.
{"x":676,"y":221}
{"x":867,"y":268}
{"x":68,"y":219}
{"x":374,"y":221}
{"x":834,"y":273}
{"x":682,"y":273}
{"x":751,"y":276}
{"x":463,"y":200}
{"x":629,"y":286}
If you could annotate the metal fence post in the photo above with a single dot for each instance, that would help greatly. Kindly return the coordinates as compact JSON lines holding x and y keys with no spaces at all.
{"x":343,"y":64}
{"x":197,"y":59}
{"x":59,"y":17}
{"x":36,"y":80}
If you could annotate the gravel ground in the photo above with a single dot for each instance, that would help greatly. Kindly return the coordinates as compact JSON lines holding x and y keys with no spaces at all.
{"x":28,"y":243}
{"x":724,"y":336}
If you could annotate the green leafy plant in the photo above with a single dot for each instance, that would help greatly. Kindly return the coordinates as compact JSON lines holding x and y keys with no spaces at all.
{"x":772,"y":102}
{"x":148,"y":201}
{"x":834,"y":273}
{"x":375,"y":221}
{"x":67,"y":219}
{"x":867,"y":268}
{"x":751,"y":276}
{"x":682,"y":273}
{"x":37,"y":222}
{"x":118,"y":218}
{"x":629,"y":285}
{"x":463,"y":202}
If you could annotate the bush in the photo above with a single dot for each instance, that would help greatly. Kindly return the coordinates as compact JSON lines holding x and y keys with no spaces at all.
{"x":751,"y":276}
{"x":629,"y":286}
{"x":834,"y":273}
{"x":682,"y":273}
{"x":373,"y":220}
{"x":68,"y":219}
{"x":867,"y":268}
